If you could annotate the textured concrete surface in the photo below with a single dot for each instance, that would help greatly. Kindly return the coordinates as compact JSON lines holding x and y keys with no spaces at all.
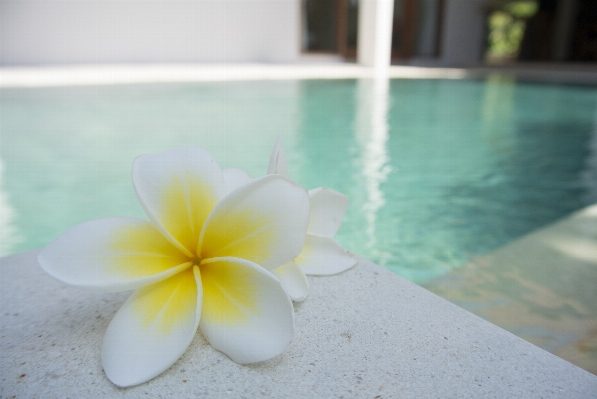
{"x":541,"y":287}
{"x":363,"y":334}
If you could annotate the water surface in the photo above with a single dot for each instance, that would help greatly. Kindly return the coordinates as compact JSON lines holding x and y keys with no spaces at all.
{"x":437,"y":171}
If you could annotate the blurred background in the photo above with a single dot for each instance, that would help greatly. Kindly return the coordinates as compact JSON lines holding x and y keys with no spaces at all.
{"x":423,"y":32}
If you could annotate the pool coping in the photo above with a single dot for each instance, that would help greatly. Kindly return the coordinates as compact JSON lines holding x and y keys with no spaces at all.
{"x":361,"y":334}
{"x":540,"y":287}
{"x":111,"y":74}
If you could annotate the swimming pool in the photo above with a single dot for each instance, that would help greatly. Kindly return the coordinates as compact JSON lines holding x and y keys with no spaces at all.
{"x":437,"y":171}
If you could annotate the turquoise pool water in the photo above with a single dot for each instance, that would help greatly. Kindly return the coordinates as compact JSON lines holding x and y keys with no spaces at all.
{"x":437,"y":171}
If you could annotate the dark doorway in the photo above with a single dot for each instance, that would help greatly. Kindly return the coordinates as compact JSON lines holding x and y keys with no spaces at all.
{"x":561,"y":30}
{"x":584,"y":46}
{"x":330,"y":26}
{"x":416,"y":29}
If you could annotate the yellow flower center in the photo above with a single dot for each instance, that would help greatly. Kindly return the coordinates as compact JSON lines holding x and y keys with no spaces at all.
{"x":195,"y":260}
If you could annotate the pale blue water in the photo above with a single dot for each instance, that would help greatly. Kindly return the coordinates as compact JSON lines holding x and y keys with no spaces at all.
{"x":437,"y":171}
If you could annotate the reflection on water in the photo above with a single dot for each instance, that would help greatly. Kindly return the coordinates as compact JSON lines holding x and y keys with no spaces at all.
{"x":371,"y":134}
{"x":589,"y":174}
{"x":497,"y":110}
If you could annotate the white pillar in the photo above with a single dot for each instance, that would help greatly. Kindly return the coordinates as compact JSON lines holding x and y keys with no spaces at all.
{"x":375,"y":32}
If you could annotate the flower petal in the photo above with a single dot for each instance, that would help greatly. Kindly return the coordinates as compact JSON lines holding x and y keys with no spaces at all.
{"x":293,"y":281}
{"x":323,"y":256}
{"x":235,"y":178}
{"x":328,"y":208}
{"x":113,"y":254}
{"x":264,"y":221}
{"x":178,"y":189}
{"x":277,"y":161}
{"x":152,"y":329}
{"x":246,"y":313}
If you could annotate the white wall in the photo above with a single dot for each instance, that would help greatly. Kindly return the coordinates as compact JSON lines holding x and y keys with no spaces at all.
{"x":105,"y":31}
{"x":463,"y":35}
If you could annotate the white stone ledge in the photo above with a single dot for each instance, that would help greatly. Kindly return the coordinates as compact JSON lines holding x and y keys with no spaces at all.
{"x":110,"y":74}
{"x":365,"y":333}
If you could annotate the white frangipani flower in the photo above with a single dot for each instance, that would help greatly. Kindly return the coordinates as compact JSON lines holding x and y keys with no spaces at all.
{"x":203,"y":261}
{"x":322,"y":255}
